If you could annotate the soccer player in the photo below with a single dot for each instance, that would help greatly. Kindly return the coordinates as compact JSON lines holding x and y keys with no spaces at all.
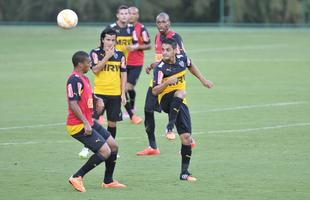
{"x":151,"y":104}
{"x":109,"y":67}
{"x":81,"y":126}
{"x":170,"y":85}
{"x":135,"y":60}
{"x":124,"y":40}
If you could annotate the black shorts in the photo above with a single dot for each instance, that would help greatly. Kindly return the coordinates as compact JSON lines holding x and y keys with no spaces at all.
{"x":133,"y":73}
{"x":112,"y":104}
{"x":183,"y":122}
{"x":94,"y":141}
{"x":151,"y":102}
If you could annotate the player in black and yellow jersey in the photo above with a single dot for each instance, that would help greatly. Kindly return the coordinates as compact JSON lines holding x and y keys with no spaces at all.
{"x":109,"y":67}
{"x":124,"y":39}
{"x":169,"y":84}
{"x":151,"y":104}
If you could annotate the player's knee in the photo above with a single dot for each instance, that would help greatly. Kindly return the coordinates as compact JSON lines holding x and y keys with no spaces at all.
{"x":186,"y":138}
{"x":180,"y":93}
{"x":105,"y":151}
{"x":111,"y":124}
{"x":113,"y":145}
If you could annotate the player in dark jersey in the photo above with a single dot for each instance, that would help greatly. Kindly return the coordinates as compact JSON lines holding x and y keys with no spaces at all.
{"x":169,"y":84}
{"x":81,"y":126}
{"x":151,"y":104}
{"x":124,"y":39}
{"x":135,"y":61}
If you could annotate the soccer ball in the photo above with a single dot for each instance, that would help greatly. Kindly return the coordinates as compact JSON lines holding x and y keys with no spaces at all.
{"x":67,"y":19}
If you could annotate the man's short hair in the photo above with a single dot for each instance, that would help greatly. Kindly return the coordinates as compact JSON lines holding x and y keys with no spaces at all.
{"x":170,"y":41}
{"x":121,"y":7}
{"x":106,"y":31}
{"x":79,"y":57}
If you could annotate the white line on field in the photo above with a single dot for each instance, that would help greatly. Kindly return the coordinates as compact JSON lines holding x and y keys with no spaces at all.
{"x":192,"y":112}
{"x":196,"y":133}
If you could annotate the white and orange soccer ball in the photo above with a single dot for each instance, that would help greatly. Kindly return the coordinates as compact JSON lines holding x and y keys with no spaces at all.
{"x":67,"y":19}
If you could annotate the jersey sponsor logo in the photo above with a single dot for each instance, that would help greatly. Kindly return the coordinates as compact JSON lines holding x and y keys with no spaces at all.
{"x":124,"y":41}
{"x":111,"y":67}
{"x":180,"y":80}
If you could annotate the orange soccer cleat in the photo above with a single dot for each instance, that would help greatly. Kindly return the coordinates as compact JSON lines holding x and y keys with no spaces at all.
{"x":136,"y":119}
{"x":114,"y":184}
{"x":193,"y":143}
{"x":148,"y":152}
{"x":77,"y":183}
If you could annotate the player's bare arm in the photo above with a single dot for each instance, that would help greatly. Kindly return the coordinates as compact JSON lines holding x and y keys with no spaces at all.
{"x":78,"y":113}
{"x":161,"y":87}
{"x":195,"y":71}
{"x":99,"y":103}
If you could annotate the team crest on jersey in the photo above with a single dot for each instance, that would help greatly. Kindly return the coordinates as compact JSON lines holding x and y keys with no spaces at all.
{"x":115,"y":55}
{"x":181,"y":63}
{"x":128,"y":30}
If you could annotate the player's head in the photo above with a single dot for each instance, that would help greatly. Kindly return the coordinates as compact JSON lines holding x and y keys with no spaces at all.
{"x":81,"y":61}
{"x":122,"y":14}
{"x":169,"y":49}
{"x":107,"y":38}
{"x":163,"y":22}
{"x":133,"y":14}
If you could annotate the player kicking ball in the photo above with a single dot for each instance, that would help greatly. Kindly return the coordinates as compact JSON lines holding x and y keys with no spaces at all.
{"x":169,"y":85}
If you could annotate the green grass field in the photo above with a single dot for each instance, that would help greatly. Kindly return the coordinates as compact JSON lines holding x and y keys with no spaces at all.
{"x":252,"y":128}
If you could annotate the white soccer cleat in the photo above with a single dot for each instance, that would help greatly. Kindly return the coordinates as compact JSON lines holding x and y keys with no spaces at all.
{"x":84,"y":153}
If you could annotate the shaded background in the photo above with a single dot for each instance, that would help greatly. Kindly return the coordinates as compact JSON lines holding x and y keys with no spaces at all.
{"x":201,"y":11}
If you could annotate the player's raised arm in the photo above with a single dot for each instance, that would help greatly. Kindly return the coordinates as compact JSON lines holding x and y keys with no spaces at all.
{"x":195,"y":71}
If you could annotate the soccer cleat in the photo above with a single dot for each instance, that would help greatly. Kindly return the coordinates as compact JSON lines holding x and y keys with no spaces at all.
{"x":193,"y":143}
{"x":170,"y":135}
{"x":136,"y":119}
{"x":125,"y":115}
{"x":187,"y":177}
{"x":114,"y":184}
{"x":84,"y":153}
{"x":148,"y":152}
{"x":101,"y":120}
{"x":77,"y":183}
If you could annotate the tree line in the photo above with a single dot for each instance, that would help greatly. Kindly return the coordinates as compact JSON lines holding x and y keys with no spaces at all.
{"x":209,"y":11}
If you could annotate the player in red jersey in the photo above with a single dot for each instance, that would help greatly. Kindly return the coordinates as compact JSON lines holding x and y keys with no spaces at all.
{"x":135,"y":60}
{"x":83,"y":128}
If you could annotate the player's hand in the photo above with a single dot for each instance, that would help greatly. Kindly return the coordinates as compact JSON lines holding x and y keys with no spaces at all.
{"x":130,"y":48}
{"x":99,"y":105}
{"x":172,"y":80}
{"x":207,"y":83}
{"x":87,"y":129}
{"x":149,"y":68}
{"x":123,"y":99}
{"x":110,"y":52}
